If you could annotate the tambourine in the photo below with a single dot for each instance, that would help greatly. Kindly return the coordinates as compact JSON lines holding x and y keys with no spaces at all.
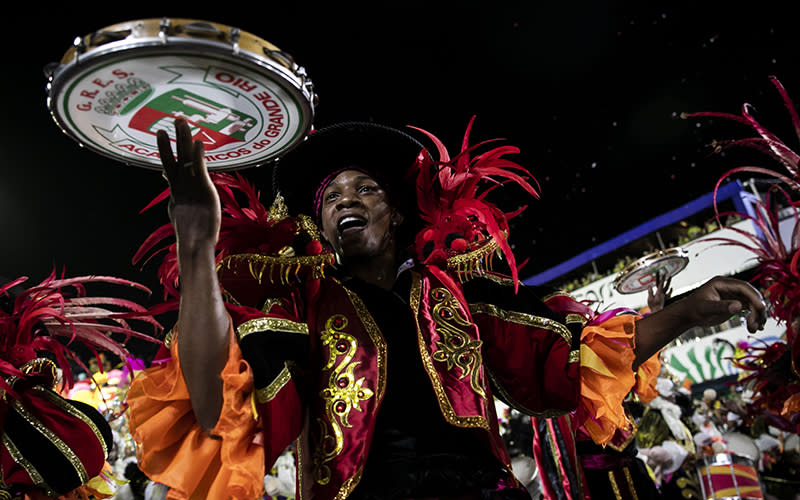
{"x":248,"y":101}
{"x":641,"y":274}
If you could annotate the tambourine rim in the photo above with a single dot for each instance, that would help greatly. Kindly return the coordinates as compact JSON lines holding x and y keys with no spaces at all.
{"x":652,"y":258}
{"x":156,"y":45}
{"x":67,"y":77}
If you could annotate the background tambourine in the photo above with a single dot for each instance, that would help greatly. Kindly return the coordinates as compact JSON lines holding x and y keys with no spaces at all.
{"x":641,"y":274}
{"x":248,"y":101}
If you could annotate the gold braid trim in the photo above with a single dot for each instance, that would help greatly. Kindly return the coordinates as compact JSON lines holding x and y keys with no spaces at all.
{"x":576,"y":318}
{"x":34,"y":474}
{"x":169,"y":337}
{"x":614,"y":485}
{"x":307,"y":225}
{"x":58,"y":401}
{"x":298,"y":446}
{"x":513,"y":403}
{"x":627,"y":441}
{"x":57,"y":442}
{"x":500,"y":280}
{"x":375,"y":335}
{"x":551,"y":440}
{"x":266,"y":394}
{"x":263,"y":267}
{"x":524,"y":319}
{"x":473,"y":263}
{"x":631,"y":486}
{"x":347,"y":486}
{"x":274,"y":324}
{"x":574,"y":356}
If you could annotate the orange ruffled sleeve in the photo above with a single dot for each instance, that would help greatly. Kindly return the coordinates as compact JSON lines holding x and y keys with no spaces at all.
{"x":646,"y":378}
{"x":173,"y":449}
{"x":607,"y":376}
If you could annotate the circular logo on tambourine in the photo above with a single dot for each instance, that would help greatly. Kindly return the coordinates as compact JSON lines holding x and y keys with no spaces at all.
{"x":244,"y":117}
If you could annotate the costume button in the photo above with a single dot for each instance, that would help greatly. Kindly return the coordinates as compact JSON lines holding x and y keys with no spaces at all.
{"x":438,"y":294}
{"x":342,"y":382}
{"x":341,"y":346}
{"x":340,"y":406}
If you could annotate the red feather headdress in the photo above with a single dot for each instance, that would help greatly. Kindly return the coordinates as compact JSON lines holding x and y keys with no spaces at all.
{"x":52,"y":315}
{"x":777,"y":270}
{"x":462,"y":228}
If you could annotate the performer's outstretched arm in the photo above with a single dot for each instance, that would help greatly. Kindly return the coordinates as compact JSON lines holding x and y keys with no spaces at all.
{"x":711,"y":304}
{"x":203,"y":323}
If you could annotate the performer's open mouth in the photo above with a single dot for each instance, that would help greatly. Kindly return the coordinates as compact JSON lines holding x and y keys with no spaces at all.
{"x":351,"y":223}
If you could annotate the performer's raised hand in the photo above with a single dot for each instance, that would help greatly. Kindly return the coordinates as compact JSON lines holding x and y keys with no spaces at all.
{"x":194,"y":206}
{"x":195,"y":211}
{"x":656,"y":297}
{"x":723,"y":297}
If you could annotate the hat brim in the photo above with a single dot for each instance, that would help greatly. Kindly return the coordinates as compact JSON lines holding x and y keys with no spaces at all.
{"x":385,"y":153}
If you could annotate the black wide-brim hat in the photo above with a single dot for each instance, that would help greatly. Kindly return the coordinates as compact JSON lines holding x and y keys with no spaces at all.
{"x":385,"y":153}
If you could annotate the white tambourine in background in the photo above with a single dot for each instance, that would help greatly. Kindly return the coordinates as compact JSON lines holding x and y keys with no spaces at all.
{"x":641,"y":274}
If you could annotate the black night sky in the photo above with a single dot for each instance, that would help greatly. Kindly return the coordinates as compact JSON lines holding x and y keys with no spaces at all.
{"x":591,"y":92}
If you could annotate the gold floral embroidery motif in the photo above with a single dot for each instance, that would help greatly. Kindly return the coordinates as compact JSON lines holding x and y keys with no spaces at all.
{"x":343,"y":394}
{"x":456,"y":348}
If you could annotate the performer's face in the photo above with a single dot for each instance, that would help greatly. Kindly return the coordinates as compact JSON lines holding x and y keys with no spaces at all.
{"x":356,"y":216}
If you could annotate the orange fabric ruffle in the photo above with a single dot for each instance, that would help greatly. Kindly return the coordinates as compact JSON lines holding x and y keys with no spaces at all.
{"x":174,"y":450}
{"x":646,"y":378}
{"x":606,"y":370}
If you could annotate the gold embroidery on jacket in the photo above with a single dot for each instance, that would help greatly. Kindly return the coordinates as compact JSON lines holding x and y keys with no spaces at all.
{"x":456,"y":348}
{"x":343,"y":394}
{"x":441,"y":396}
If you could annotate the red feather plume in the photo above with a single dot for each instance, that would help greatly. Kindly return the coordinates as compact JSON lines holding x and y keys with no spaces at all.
{"x":777,"y":272}
{"x":462,"y":228}
{"x":57,"y":313}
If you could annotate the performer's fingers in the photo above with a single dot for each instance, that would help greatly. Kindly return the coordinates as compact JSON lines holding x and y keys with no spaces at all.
{"x":197,"y":159}
{"x":750,"y":298}
{"x":183,"y":140}
{"x":165,"y":153}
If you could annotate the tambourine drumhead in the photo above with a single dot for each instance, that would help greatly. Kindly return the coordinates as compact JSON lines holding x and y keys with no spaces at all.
{"x":245,"y":99}
{"x":641,"y":274}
